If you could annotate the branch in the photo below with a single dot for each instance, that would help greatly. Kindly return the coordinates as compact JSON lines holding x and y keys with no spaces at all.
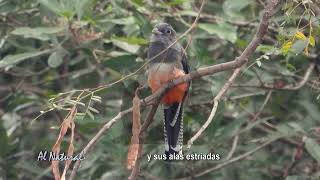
{"x":304,"y":80}
{"x":262,"y":107}
{"x":233,"y":148}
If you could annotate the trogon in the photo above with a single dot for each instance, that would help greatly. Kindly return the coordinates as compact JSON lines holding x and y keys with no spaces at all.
{"x":164,"y":67}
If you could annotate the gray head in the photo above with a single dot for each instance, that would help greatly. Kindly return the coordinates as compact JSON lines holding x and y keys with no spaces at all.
{"x":163,"y":32}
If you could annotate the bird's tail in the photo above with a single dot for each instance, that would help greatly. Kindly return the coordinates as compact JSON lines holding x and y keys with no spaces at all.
{"x":173,"y":129}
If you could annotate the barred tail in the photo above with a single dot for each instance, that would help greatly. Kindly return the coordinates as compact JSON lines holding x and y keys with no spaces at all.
{"x":173,"y":128}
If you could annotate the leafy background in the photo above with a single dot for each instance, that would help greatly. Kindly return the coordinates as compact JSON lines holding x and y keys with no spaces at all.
{"x":49,"y":47}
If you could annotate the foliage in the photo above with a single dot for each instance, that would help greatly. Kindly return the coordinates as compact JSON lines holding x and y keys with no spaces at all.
{"x":58,"y":54}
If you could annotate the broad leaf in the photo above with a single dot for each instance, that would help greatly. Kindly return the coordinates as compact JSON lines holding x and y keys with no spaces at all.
{"x":14,"y":59}
{"x":313,"y":148}
{"x":299,"y":46}
{"x":41,"y":33}
{"x":55,"y":59}
{"x":223,"y":30}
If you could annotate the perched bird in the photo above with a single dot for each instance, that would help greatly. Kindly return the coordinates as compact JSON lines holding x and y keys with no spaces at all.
{"x":170,"y":65}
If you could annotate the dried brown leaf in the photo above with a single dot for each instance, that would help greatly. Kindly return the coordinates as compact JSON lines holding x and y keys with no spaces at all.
{"x":65,"y":125}
{"x":136,"y":126}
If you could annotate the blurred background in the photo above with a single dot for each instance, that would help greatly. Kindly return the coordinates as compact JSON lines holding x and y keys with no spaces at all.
{"x":54,"y":51}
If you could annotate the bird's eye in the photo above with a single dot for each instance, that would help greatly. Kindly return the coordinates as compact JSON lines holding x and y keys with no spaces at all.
{"x":169,"y":31}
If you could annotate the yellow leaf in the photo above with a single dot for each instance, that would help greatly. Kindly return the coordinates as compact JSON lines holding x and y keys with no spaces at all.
{"x":312,"y":42}
{"x":300,"y":35}
{"x":286,"y":47}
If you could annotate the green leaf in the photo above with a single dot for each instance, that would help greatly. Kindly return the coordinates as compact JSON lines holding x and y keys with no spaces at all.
{"x":97,"y":98}
{"x":120,"y":21}
{"x":55,"y":59}
{"x":138,"y":2}
{"x":222,"y":30}
{"x":89,"y":113}
{"x":126,"y":46}
{"x":313,"y":148}
{"x":232,"y":8}
{"x":117,"y":63}
{"x":132,"y":40}
{"x":175,"y":2}
{"x":52,"y":5}
{"x":264,"y":48}
{"x":80,"y":6}
{"x":41,"y":33}
{"x":93,"y":109}
{"x":286,"y":130}
{"x":292,"y":178}
{"x":14,"y":59}
{"x":188,"y":13}
{"x":291,"y":67}
{"x":299,"y":46}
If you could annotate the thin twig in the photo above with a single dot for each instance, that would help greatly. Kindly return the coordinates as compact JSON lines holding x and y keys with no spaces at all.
{"x":233,"y":148}
{"x":262,"y":106}
{"x":304,"y":80}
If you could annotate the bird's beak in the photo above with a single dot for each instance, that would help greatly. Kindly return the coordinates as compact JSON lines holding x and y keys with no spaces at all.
{"x":156,"y":31}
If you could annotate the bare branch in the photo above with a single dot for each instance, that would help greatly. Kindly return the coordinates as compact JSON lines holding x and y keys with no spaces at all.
{"x":233,"y":148}
{"x":304,"y":80}
{"x":262,"y":106}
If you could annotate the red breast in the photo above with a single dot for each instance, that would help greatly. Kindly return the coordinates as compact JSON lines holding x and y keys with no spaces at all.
{"x":159,"y":77}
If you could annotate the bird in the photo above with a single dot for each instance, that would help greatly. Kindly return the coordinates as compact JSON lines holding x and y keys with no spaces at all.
{"x":165,"y":67}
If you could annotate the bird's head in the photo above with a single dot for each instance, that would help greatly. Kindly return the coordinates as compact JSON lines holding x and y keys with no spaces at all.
{"x":163,"y":32}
